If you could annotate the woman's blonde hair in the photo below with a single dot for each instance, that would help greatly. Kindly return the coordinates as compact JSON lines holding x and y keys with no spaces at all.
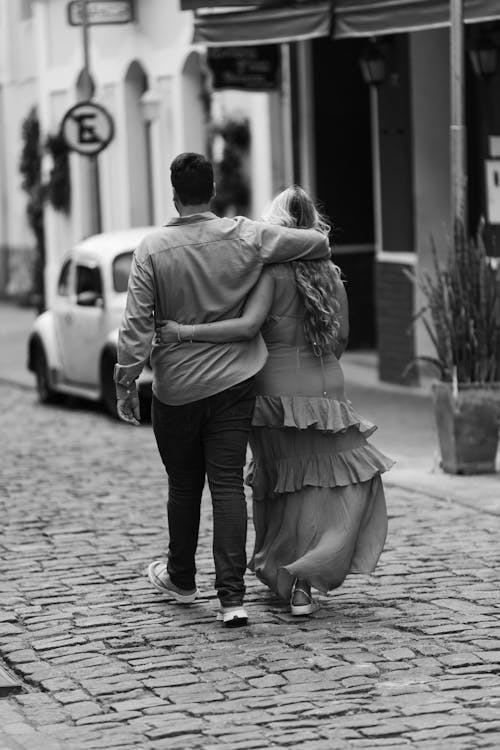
{"x":317,"y":280}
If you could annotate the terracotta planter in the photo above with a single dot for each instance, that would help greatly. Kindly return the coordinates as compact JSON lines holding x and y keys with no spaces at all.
{"x":468,"y":427}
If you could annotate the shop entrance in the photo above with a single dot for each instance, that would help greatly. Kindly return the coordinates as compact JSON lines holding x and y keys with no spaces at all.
{"x":344,"y":182}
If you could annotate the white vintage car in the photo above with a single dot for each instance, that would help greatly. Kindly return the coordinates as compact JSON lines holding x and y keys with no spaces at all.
{"x":72,"y":347}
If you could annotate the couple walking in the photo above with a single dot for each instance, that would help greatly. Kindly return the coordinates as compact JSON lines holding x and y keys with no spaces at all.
{"x":245,"y":322}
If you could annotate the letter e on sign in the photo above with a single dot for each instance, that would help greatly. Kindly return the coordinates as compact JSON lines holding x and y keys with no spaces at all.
{"x":87,"y":128}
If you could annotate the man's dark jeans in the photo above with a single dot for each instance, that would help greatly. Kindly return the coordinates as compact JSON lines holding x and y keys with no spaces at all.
{"x":207,"y":437}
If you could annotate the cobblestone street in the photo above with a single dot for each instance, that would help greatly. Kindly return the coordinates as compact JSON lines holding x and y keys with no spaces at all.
{"x":409,"y":657}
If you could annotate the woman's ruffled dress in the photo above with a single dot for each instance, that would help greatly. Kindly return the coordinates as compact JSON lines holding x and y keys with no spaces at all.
{"x":319,"y":508}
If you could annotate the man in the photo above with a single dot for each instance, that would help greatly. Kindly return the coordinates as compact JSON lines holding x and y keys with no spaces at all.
{"x":196,"y":269}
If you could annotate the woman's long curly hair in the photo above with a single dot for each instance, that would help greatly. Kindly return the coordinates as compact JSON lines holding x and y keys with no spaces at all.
{"x":317,"y":280}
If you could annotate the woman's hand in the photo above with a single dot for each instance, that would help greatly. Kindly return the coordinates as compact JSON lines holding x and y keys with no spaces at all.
{"x":167,"y":332}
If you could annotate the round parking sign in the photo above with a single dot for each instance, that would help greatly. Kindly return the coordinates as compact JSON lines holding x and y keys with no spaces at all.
{"x":87,"y":128}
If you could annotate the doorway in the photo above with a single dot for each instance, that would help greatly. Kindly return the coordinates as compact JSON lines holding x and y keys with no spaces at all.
{"x":344,"y":183}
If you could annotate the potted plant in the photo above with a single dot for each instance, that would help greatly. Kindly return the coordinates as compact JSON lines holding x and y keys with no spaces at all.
{"x":462,"y":317}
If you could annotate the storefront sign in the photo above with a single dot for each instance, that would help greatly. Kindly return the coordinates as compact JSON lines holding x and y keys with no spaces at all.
{"x":101,"y":12}
{"x":87,"y":128}
{"x":249,"y":68}
{"x":493,"y":190}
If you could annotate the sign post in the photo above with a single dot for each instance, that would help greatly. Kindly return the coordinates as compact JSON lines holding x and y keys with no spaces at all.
{"x":87,"y":127}
{"x":85,"y":42}
{"x":457,"y":130}
{"x":95,"y":192}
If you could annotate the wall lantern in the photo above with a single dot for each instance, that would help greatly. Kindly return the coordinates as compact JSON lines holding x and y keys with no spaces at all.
{"x":150,"y":106}
{"x":373,"y":65}
{"x":484,"y":58}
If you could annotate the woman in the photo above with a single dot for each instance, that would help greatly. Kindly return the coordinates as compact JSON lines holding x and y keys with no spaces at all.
{"x":318,"y":501}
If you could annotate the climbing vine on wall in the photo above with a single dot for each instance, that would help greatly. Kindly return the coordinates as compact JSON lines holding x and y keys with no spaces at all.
{"x":56,"y":190}
{"x":30,"y":167}
{"x":59,"y":185}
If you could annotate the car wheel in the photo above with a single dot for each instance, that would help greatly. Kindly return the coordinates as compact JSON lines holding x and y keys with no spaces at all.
{"x":46,"y":394}
{"x":108,"y":388}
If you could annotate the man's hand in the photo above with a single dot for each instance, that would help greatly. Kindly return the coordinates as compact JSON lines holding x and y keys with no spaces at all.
{"x":167,"y":332}
{"x":127,"y":404}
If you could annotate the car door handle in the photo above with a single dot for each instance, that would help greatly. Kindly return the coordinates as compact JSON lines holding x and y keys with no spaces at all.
{"x":68,"y":318}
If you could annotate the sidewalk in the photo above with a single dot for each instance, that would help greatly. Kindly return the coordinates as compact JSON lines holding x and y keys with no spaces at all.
{"x":404,"y":417}
{"x":407,"y":433}
{"x":15,"y":326}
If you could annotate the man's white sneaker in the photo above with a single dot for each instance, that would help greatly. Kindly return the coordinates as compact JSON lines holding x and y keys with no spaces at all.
{"x":233,"y":617}
{"x":160,"y":579}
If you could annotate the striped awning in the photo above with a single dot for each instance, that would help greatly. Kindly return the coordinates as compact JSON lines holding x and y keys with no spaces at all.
{"x":235,"y":22}
{"x":263,"y":25}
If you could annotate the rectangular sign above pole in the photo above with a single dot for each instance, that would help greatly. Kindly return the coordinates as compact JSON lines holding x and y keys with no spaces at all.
{"x":100,"y":12}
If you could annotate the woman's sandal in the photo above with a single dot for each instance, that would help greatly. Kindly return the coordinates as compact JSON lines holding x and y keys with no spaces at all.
{"x":307,"y":608}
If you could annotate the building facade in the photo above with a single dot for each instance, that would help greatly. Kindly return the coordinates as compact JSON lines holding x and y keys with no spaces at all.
{"x":18,"y":95}
{"x":154,"y":84}
{"x":376,"y":157}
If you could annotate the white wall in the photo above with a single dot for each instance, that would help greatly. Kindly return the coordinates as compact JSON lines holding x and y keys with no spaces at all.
{"x":19,"y":95}
{"x":160,"y":42}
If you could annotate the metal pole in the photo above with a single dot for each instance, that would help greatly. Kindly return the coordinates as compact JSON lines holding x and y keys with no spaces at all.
{"x":376,"y":172}
{"x":286,"y":115}
{"x":85,"y":40}
{"x":95,"y":196}
{"x":94,"y":191}
{"x":458,"y":152}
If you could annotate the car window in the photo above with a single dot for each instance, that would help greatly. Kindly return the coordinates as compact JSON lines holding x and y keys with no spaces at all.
{"x":121,"y":271}
{"x":63,"y":283}
{"x":88,"y":279}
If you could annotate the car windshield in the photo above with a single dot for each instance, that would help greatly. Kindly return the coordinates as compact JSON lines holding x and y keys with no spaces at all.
{"x":121,"y":271}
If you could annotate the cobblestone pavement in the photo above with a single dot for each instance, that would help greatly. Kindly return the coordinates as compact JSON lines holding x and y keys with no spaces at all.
{"x":407,"y":657}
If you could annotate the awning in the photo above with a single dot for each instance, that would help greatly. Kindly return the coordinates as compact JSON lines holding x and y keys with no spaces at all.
{"x":378,"y":17}
{"x":234,"y":22}
{"x":264,"y":25}
{"x":197,"y":4}
{"x":242,"y":4}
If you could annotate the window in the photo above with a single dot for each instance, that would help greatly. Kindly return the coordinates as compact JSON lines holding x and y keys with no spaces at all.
{"x":88,"y":279}
{"x":63,"y":283}
{"x":121,"y":271}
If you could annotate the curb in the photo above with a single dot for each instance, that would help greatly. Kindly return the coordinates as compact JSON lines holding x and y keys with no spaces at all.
{"x":5,"y":380}
{"x":9,"y":684}
{"x":490,"y":506}
{"x":363,"y":376}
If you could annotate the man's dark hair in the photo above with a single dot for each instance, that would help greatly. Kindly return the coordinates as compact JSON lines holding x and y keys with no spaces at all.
{"x":192,"y":176}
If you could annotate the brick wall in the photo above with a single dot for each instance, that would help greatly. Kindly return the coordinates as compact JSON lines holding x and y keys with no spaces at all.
{"x":395,"y":331}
